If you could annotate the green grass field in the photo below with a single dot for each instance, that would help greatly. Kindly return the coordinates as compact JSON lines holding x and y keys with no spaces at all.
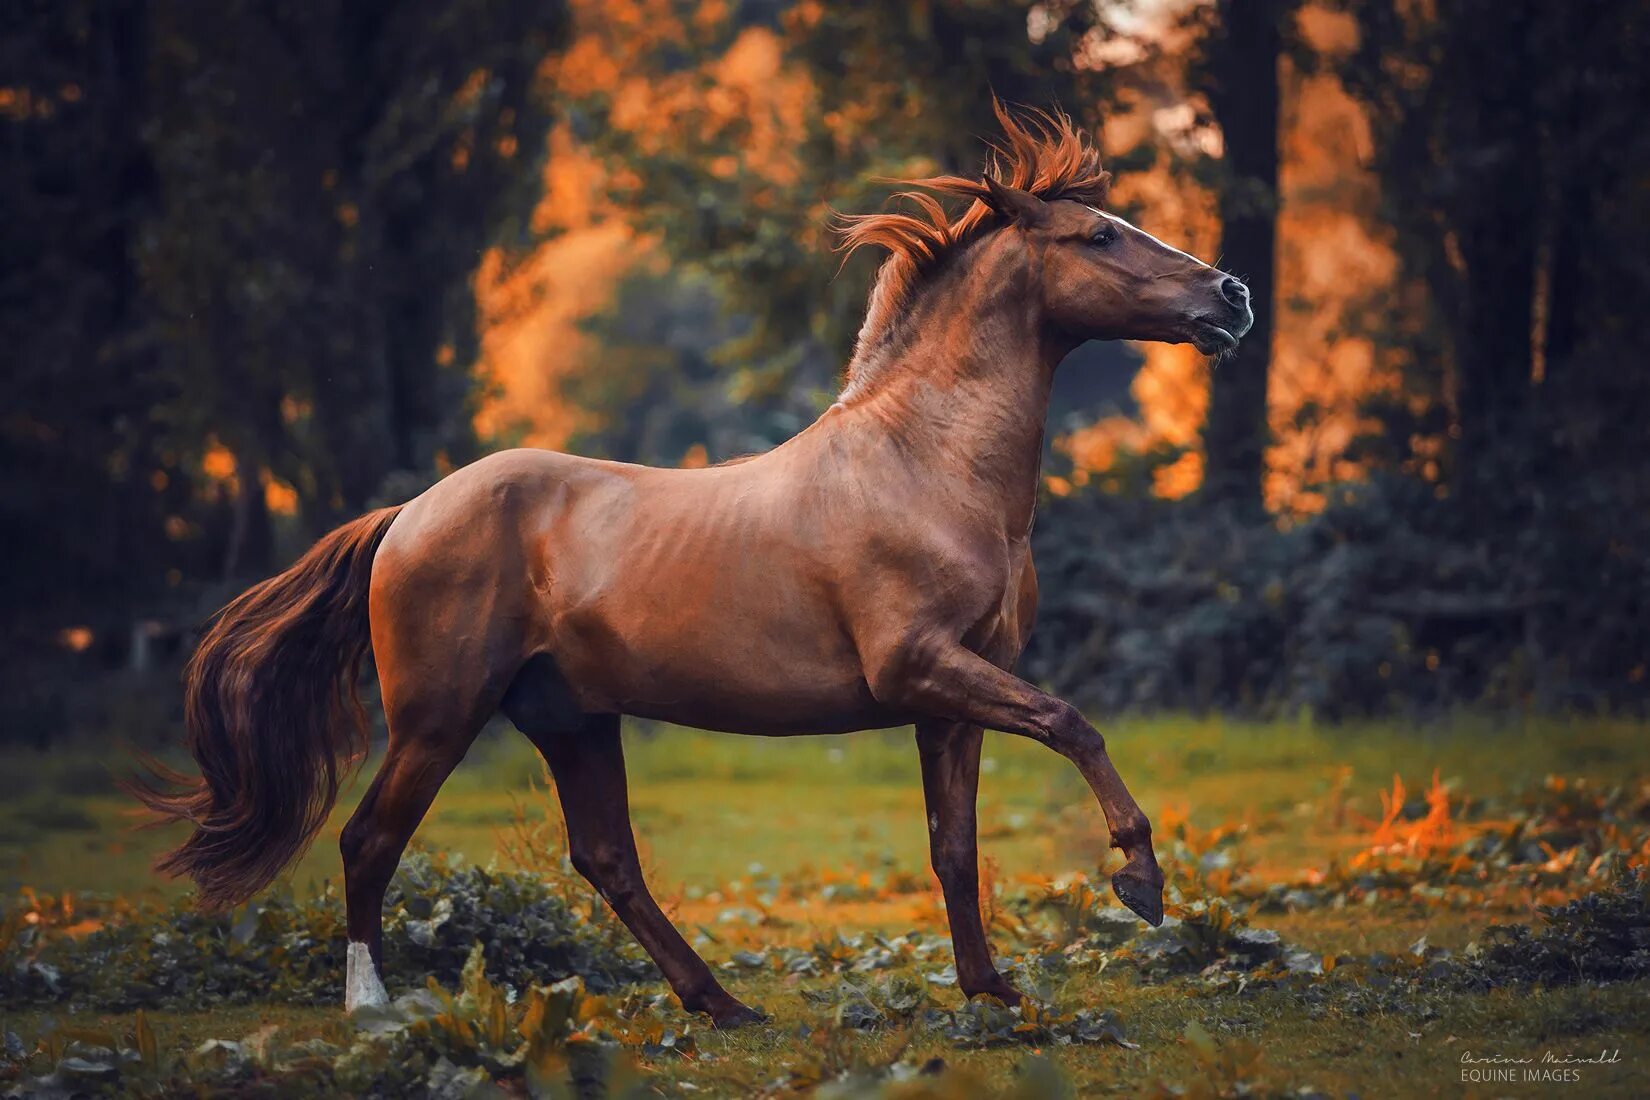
{"x":722,"y":819}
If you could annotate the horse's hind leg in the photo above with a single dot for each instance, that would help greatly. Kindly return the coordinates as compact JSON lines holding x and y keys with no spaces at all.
{"x":950,"y":784}
{"x":433,"y":720}
{"x":588,"y":765}
{"x":372,"y":843}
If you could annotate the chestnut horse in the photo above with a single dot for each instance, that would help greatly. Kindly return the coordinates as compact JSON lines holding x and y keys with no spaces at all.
{"x":874,"y":571}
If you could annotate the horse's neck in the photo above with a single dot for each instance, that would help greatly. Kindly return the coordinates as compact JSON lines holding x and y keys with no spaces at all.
{"x":967,"y":395}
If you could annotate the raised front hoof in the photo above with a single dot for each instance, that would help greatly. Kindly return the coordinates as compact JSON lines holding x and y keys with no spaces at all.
{"x":737,"y":1015}
{"x":1141,"y":891}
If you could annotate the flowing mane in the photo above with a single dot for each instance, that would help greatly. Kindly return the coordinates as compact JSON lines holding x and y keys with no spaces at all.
{"x":1044,"y":153}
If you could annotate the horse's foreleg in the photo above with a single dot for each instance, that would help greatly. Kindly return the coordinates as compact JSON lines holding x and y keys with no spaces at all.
{"x":955,"y":684}
{"x":588,"y":766}
{"x":950,"y":783}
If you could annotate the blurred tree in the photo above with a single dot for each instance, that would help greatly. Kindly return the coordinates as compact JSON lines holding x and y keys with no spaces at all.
{"x":1242,"y":47}
{"x":76,"y":183}
{"x":330,"y":174}
{"x":238,"y":246}
{"x":237,"y":255}
{"x":658,"y":395}
{"x":1513,"y":159}
{"x":734,"y":160}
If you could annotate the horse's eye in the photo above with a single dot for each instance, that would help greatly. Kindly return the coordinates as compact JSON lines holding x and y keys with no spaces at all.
{"x":1103,"y":236}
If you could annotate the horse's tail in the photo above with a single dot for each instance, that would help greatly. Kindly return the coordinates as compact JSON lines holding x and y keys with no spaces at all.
{"x":273,"y":718}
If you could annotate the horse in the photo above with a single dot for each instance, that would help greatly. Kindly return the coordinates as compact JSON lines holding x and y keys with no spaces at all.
{"x":874,"y":571}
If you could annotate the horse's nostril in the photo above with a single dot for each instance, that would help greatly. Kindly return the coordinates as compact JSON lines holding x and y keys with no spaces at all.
{"x":1234,"y":291}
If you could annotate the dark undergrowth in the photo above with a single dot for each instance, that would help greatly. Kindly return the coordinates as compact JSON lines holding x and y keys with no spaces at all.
{"x":284,"y":949}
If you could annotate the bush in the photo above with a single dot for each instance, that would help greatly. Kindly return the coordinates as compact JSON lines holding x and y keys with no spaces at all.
{"x":1389,"y":600}
{"x":1603,"y":936}
{"x":475,"y":1040}
{"x":289,"y":950}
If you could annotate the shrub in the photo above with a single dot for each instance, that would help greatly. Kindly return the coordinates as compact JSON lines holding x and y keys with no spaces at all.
{"x":292,"y":950}
{"x":1603,"y":936}
{"x":1390,"y":599}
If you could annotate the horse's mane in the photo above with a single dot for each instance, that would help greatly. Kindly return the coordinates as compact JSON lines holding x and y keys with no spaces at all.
{"x":1043,"y":153}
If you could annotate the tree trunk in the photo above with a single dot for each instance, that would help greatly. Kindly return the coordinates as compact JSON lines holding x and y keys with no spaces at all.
{"x":1243,"y":93}
{"x":251,"y":537}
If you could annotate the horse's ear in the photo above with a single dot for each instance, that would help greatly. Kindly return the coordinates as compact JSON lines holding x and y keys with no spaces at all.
{"x":1012,"y":203}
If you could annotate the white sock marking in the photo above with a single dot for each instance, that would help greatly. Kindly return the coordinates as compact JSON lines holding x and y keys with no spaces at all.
{"x":362,"y":985}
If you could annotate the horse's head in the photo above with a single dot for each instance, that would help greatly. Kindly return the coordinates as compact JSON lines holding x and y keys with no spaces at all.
{"x":1041,"y":205}
{"x":1104,"y":279}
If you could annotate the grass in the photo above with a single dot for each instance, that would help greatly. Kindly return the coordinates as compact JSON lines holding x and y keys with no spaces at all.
{"x":709,"y":807}
{"x":723,"y":818}
{"x":1270,"y":1047}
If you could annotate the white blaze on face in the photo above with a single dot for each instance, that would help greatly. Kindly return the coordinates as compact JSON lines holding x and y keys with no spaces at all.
{"x":1130,"y":225}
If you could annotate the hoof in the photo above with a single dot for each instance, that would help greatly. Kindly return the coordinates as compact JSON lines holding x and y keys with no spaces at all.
{"x":1000,"y":990}
{"x":1141,"y":892}
{"x":361,"y":982}
{"x":737,"y":1015}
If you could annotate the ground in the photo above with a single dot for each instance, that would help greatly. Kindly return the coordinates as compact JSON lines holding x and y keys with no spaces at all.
{"x":756,"y":844}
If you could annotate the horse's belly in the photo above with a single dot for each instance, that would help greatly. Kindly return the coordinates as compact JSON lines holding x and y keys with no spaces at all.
{"x":768,"y":714}
{"x":727,"y":686}
{"x":761,"y":656}
{"x":716,"y":607}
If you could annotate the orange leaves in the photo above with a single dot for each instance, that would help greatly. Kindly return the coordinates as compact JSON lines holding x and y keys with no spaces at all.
{"x":1544,"y":847}
{"x":76,"y":639}
{"x":1203,"y":862}
{"x":57,"y":915}
{"x":218,"y":461}
{"x":1434,"y":833}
